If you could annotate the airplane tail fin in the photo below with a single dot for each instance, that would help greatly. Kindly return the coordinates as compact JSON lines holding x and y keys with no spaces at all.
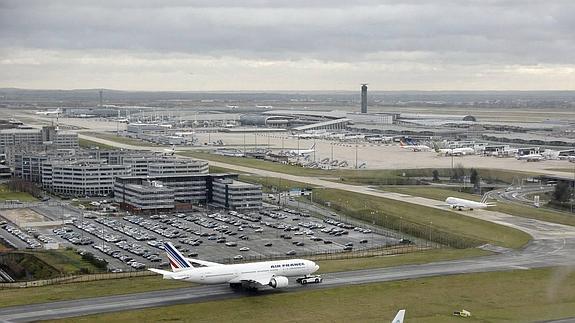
{"x":399,"y":317}
{"x":177,"y":260}
{"x":401,"y":143}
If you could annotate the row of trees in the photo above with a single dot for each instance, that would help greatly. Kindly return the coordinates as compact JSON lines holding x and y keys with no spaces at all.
{"x":460,"y":174}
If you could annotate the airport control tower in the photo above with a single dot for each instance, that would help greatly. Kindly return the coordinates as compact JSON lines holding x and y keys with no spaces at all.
{"x":364,"y":98}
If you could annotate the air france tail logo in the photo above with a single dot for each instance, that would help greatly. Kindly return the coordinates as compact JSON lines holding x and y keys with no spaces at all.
{"x":177,"y":261}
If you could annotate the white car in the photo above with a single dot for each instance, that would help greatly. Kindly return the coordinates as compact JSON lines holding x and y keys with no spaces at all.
{"x":238,"y":257}
{"x":312,"y":279}
{"x":244,"y":249}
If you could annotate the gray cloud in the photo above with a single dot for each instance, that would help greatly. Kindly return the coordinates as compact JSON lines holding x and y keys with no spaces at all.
{"x":439,"y":35}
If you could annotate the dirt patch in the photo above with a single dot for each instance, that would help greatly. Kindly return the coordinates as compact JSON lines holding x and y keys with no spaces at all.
{"x":22,"y":216}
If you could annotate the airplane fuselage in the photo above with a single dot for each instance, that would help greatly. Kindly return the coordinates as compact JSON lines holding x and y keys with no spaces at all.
{"x":458,"y":203}
{"x":233,"y":273}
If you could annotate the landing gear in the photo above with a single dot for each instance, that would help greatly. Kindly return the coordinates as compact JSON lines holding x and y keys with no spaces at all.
{"x":235,"y":285}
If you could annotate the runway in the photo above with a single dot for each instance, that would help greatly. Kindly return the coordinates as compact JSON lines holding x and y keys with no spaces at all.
{"x":539,"y":253}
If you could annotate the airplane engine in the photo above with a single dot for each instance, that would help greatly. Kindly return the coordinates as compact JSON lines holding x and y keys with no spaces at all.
{"x":279,"y":282}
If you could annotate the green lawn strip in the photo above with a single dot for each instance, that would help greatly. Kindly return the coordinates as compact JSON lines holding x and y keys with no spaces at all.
{"x":350,"y":176}
{"x":60,"y":292}
{"x":273,"y":184}
{"x":20,"y":296}
{"x":564,"y":170}
{"x":120,"y":139}
{"x":85,"y":143}
{"x":441,"y":194}
{"x":441,"y":226}
{"x":513,"y":296}
{"x":5,"y":194}
{"x":420,"y":257}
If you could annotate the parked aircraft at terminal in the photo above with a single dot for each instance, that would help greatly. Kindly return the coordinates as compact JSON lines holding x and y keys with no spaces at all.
{"x":413,"y":147}
{"x":302,"y":152}
{"x":50,"y":112}
{"x":455,"y":151}
{"x":252,"y":275}
{"x":531,"y":157}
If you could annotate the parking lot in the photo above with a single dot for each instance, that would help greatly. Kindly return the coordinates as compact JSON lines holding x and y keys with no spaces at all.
{"x":134,"y":241}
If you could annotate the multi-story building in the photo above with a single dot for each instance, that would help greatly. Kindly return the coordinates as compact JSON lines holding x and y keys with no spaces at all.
{"x":14,"y":141}
{"x":90,"y":177}
{"x":236,"y":195}
{"x":220,"y":189}
{"x":159,"y":165}
{"x":146,"y":197}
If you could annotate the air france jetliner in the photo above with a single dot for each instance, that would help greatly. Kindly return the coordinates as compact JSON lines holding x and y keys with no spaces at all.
{"x":457,"y":203}
{"x":252,"y":275}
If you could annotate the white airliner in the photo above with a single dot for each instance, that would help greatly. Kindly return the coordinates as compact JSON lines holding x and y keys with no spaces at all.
{"x":302,"y":152}
{"x":399,"y":317}
{"x":264,"y":106}
{"x":252,"y":275}
{"x":531,"y":157}
{"x":50,"y":112}
{"x":414,"y":148}
{"x":455,"y":151}
{"x":460,"y":204}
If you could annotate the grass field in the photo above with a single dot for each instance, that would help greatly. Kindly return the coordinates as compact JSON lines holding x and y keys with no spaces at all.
{"x":120,"y":139}
{"x":350,"y":176}
{"x":434,"y":224}
{"x":5,"y":194}
{"x":66,"y":261}
{"x":22,"y":296}
{"x":515,"y":296}
{"x":53,"y":293}
{"x":441,"y":194}
{"x":85,"y":143}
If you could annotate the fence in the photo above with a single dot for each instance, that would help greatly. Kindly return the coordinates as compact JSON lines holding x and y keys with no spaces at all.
{"x":77,"y":279}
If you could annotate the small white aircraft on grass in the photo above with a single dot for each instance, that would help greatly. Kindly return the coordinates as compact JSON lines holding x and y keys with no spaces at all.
{"x":460,"y":204}
{"x":171,"y":150}
{"x":251,"y":275}
{"x":399,"y":317}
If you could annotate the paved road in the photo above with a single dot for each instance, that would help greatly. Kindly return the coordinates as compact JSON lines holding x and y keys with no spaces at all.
{"x":540,"y":253}
{"x":553,"y":245}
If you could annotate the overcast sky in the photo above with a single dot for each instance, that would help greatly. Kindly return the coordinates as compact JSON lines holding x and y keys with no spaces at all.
{"x":288,"y":45}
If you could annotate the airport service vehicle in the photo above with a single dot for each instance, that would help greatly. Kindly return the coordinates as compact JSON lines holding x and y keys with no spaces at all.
{"x":460,"y":204}
{"x":250,"y":275}
{"x":302,"y":152}
{"x":399,"y":317}
{"x":311,"y":279}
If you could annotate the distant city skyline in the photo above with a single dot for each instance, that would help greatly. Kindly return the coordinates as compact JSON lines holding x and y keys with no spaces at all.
{"x":226,"y":45}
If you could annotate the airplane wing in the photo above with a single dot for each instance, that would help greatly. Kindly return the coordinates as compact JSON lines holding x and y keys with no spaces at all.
{"x":259,"y":278}
{"x":203,"y":262}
